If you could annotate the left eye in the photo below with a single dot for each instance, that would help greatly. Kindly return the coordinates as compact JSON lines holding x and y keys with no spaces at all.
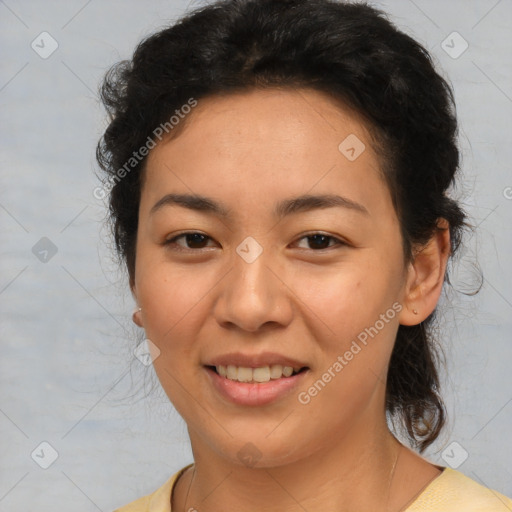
{"x":195,"y":240}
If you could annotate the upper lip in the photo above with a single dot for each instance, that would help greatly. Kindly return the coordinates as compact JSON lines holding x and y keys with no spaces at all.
{"x":255,"y":360}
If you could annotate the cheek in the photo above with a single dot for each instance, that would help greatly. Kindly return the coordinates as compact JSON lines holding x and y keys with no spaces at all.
{"x":170,"y":297}
{"x":347,"y":299}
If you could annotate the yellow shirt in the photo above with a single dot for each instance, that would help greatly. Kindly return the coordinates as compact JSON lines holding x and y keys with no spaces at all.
{"x":451,"y":491}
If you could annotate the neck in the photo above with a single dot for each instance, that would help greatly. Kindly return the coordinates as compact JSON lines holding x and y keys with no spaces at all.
{"x":354,"y":473}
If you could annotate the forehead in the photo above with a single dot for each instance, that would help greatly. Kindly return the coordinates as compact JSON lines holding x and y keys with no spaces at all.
{"x":267,"y":141}
{"x":284,"y":116}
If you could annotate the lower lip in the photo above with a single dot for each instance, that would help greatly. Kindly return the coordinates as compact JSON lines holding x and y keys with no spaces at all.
{"x":244,"y":393}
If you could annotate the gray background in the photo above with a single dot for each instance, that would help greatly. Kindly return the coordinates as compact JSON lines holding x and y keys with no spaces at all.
{"x":68,"y":376}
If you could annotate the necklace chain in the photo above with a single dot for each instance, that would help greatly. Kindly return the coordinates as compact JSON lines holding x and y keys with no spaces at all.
{"x":392,"y":474}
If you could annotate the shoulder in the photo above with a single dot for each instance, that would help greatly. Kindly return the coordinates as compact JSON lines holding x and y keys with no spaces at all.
{"x":452,"y":491}
{"x":159,"y":501}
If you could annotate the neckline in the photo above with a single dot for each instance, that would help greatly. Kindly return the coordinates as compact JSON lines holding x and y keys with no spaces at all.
{"x":444,"y":470}
{"x":426,"y":487}
{"x":174,"y":483}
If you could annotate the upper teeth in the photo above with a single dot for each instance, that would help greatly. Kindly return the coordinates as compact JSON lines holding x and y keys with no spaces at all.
{"x":262,"y":374}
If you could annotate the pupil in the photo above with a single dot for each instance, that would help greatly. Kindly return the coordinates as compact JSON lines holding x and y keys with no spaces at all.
{"x":195,"y":238}
{"x":321,"y":239}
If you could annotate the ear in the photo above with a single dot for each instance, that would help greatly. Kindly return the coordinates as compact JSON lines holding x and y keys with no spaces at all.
{"x":136,"y":315}
{"x":426,"y":275}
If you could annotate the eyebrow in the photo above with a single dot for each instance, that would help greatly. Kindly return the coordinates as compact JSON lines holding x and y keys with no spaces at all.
{"x":282,"y":209}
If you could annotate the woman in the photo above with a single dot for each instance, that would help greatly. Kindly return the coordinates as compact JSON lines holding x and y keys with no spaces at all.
{"x":279,"y":173}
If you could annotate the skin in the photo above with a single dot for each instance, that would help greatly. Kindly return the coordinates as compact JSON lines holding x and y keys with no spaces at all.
{"x":249,"y":151}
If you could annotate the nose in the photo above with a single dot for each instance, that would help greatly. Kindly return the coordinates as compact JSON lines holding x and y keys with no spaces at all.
{"x":253,"y":296}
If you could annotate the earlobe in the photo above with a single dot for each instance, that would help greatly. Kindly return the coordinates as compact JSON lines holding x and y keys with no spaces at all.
{"x":136,"y":317}
{"x":426,"y":277}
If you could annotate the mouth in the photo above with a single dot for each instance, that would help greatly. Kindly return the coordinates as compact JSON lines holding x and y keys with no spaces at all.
{"x":259,"y":375}
{"x":255,"y":379}
{"x":255,"y":386}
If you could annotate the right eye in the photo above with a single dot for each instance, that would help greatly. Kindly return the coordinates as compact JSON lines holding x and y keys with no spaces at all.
{"x":193,"y":240}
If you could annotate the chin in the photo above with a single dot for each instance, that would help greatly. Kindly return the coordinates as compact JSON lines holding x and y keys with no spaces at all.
{"x":258,"y":452}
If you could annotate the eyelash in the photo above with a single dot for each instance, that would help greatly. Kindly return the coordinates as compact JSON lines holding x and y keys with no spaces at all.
{"x":172,"y":241}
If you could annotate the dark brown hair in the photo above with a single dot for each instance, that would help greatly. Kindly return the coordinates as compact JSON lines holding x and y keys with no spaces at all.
{"x":350,"y":51}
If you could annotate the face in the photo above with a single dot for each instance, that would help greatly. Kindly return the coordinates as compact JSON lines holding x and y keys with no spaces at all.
{"x":257,"y":279}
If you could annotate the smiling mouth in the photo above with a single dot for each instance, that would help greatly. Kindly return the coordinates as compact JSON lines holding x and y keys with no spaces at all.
{"x":256,"y":375}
